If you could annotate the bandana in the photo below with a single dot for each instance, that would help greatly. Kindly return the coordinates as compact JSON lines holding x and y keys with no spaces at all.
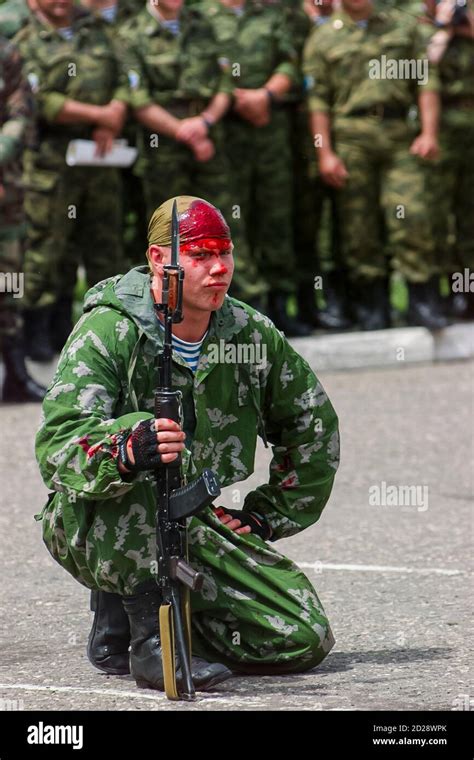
{"x":201,"y":225}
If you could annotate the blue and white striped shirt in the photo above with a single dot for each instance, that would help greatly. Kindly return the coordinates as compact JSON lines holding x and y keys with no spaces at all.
{"x":190,"y":352}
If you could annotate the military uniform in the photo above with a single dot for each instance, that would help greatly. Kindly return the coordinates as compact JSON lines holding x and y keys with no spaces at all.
{"x":451,"y":180}
{"x":16,"y":116}
{"x":74,"y":213}
{"x":181,"y":73}
{"x":133,"y":201}
{"x":372,"y":135}
{"x":101,"y":529}
{"x":259,"y":41}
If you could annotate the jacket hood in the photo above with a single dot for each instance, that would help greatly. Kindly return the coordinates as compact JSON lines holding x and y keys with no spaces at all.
{"x":130,"y":295}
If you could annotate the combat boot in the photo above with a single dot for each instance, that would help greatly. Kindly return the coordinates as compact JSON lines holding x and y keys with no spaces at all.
{"x":146,"y":653}
{"x":370,"y":303}
{"x":109,"y":639}
{"x":425,"y":308}
{"x":18,"y":386}
{"x":276,"y":310}
{"x":61,"y":323}
{"x":38,"y":344}
{"x":332,"y":316}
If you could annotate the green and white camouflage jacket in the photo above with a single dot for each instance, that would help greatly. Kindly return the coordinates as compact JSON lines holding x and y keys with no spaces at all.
{"x":249,"y":382}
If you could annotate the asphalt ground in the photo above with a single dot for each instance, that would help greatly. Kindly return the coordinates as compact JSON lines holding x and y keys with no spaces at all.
{"x":396,"y":581}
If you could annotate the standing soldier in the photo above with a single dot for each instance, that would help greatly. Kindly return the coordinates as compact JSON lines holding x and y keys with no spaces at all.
{"x":312,"y":197}
{"x":116,"y":13}
{"x":255,"y":36}
{"x":180,"y":91}
{"x":73,"y":213}
{"x":451,"y":180}
{"x":15,"y":116}
{"x":359,"y":96}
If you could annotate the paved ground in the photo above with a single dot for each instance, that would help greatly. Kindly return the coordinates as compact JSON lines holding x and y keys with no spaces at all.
{"x":395,"y":580}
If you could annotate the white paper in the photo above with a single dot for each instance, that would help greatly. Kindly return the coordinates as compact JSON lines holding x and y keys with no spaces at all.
{"x":83,"y":153}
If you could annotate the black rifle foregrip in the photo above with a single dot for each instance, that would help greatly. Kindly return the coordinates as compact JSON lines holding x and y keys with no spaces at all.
{"x":168,"y":406}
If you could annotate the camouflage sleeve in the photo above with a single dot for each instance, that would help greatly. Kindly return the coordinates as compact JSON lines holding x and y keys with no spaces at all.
{"x":48,"y":102}
{"x":287,"y":54}
{"x":302,"y":427}
{"x":18,"y":107}
{"x":134,"y":72}
{"x":76,"y":445}
{"x":316,"y":76}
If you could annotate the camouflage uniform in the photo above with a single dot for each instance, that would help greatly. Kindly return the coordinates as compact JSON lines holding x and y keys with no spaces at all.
{"x":16,"y":113}
{"x":133,"y":201}
{"x":259,"y":41}
{"x":375,"y":149}
{"x":181,"y":73}
{"x":14,"y":14}
{"x":85,"y":69}
{"x":451,"y":179}
{"x":101,"y":529}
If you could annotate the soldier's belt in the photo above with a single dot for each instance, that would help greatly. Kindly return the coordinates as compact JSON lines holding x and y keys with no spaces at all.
{"x":183,"y":108}
{"x":457,"y":101}
{"x":382,"y":111}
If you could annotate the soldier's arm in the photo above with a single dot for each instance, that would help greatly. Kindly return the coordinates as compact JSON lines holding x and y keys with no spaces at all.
{"x":302,"y":427}
{"x":18,"y":106}
{"x":77,"y":442}
{"x":426,"y":144}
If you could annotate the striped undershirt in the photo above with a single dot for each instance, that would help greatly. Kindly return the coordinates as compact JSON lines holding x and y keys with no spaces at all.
{"x":190,"y":352}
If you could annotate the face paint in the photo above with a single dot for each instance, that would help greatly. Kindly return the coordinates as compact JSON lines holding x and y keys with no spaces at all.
{"x":206,"y":244}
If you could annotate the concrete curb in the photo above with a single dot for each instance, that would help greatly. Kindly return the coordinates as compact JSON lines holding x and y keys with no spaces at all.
{"x":397,"y":347}
{"x":386,"y":348}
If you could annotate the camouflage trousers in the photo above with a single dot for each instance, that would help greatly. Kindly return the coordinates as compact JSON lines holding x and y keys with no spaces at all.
{"x":451,"y":194}
{"x":257,"y":612}
{"x":383,"y":208}
{"x":261,"y":164}
{"x":171,"y":169}
{"x":74,"y":217}
{"x":11,"y":281}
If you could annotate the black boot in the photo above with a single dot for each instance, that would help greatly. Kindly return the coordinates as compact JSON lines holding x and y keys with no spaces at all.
{"x":455,"y":305}
{"x":370,"y":303}
{"x":292,"y":327}
{"x":332,"y":316}
{"x":425,"y":309}
{"x":61,"y":323}
{"x":109,"y":639}
{"x":146,"y":656}
{"x":38,"y":344}
{"x":18,"y":386}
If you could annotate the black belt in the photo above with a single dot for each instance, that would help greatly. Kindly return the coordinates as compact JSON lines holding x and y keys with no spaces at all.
{"x":382,"y":111}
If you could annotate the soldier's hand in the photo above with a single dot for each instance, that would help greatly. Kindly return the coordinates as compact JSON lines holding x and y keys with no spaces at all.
{"x":203,"y":150}
{"x":151,"y":443}
{"x":2,"y":192}
{"x":191,"y":130}
{"x":253,"y":105}
{"x":243,"y":522}
{"x":112,"y":116}
{"x":332,"y":169}
{"x":104,"y":140}
{"x":425,"y":146}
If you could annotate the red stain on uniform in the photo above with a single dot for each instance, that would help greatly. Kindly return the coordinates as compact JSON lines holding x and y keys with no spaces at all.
{"x":286,"y":465}
{"x":289,"y":482}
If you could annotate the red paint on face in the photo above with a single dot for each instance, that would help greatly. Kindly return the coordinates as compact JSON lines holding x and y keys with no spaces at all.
{"x":201,"y":220}
{"x":208,"y":244}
